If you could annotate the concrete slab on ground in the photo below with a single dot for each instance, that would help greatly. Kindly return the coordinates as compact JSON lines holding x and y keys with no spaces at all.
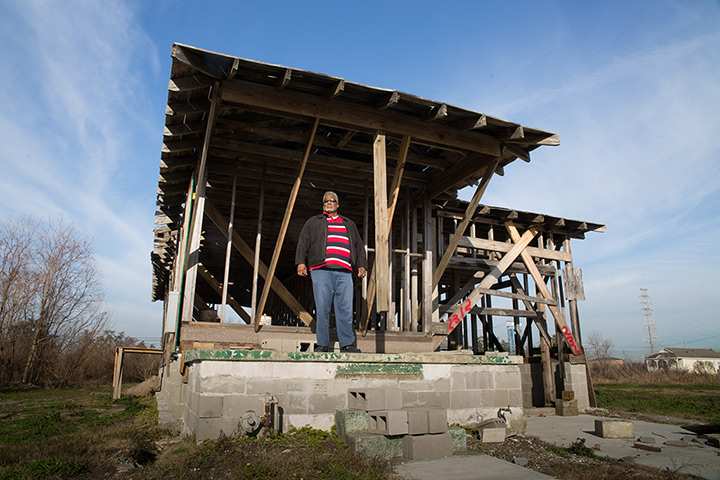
{"x":696,"y":459}
{"x":467,"y":467}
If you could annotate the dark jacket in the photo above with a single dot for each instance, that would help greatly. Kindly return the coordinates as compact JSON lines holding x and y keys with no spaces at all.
{"x":313,"y":241}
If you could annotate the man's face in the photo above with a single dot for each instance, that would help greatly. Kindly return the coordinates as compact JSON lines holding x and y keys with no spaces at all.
{"x":330,"y":205}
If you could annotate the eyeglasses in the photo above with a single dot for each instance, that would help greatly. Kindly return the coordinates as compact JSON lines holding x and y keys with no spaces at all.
{"x":332,"y":200}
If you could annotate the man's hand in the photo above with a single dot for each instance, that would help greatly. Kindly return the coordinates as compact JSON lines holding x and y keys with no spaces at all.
{"x":302,"y":270}
{"x":362,"y":272}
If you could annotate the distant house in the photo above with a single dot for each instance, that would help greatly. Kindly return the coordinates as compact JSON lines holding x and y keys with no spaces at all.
{"x":690,"y":359}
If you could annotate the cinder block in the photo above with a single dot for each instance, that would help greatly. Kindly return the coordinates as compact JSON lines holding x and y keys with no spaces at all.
{"x":459,"y":439}
{"x":351,"y":422}
{"x":372,"y":445}
{"x":417,"y":421}
{"x":614,"y":429}
{"x":437,"y":420}
{"x":566,"y":408}
{"x":370,"y":399}
{"x":493,"y":435}
{"x":418,"y":447}
{"x":388,"y":422}
{"x":422,"y":420}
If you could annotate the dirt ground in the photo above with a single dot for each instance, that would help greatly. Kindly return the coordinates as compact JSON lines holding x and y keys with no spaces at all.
{"x":578,"y":462}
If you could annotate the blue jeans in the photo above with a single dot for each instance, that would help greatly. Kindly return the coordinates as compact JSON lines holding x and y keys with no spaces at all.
{"x":333,"y":287}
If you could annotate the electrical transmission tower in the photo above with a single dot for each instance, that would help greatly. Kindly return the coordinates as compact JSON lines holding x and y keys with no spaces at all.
{"x":651,"y":340}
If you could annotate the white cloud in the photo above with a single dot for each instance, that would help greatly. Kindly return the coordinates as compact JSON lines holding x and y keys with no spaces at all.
{"x":74,"y":110}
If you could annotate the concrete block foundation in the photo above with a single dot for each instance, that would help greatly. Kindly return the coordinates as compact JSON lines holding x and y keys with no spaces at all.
{"x":207,"y":392}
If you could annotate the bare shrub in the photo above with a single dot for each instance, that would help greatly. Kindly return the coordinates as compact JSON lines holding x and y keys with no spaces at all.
{"x":51,"y":301}
{"x":634,"y":371}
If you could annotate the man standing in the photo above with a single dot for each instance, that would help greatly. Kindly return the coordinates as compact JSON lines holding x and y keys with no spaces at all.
{"x":329,"y":247}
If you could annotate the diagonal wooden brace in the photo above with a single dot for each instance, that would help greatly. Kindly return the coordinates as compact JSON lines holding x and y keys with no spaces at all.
{"x":249,"y":255}
{"x":463,"y":308}
{"x":217,"y":286}
{"x":543,"y":290}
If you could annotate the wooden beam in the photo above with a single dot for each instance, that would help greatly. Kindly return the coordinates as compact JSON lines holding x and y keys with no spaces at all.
{"x":258,"y":240}
{"x":395,"y":193}
{"x":516,"y":296}
{"x":320,"y":163}
{"x":460,"y":230}
{"x":346,"y":138}
{"x":387,"y":101}
{"x":519,"y":152}
{"x":381,"y":267}
{"x":284,"y":80}
{"x":336,"y":90}
{"x":183,"y":108}
{"x":190,"y":272}
{"x":483,"y":244}
{"x":284,"y":226}
{"x":528,"y":305}
{"x":458,"y":313}
{"x":212,"y":281}
{"x":437,"y":112}
{"x":228,"y":249}
{"x":189,"y":83}
{"x":397,"y":179}
{"x":177,"y":129}
{"x":360,"y":117}
{"x":505,"y":312}
{"x":456,"y":174}
{"x":233,"y":69}
{"x":532,"y":268}
{"x":248,"y":254}
{"x":472,"y":123}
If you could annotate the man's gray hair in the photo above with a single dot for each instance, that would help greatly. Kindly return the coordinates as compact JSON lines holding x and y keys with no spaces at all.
{"x":331,"y":193}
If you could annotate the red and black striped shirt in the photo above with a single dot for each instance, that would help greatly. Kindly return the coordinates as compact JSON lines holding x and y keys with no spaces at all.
{"x":337,"y":251}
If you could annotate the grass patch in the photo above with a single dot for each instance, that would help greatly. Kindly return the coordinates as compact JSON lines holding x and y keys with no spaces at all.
{"x":73,"y":432}
{"x":81,"y":433}
{"x":697,"y":402}
{"x":305,"y":453}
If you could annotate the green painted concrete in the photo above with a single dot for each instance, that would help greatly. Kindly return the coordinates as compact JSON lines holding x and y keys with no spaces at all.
{"x":408,"y":359}
{"x":376,"y":445}
{"x":351,"y":421}
{"x":383,"y":369}
{"x":459,"y":439}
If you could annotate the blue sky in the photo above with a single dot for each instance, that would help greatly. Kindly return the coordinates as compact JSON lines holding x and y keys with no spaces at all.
{"x":631,"y":88}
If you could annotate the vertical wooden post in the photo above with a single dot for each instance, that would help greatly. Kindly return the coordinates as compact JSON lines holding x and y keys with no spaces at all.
{"x":381,"y":268}
{"x":427,"y":267}
{"x":407,"y":305}
{"x":199,"y":211}
{"x":366,"y":235}
{"x":258,"y":242}
{"x":474,"y":335}
{"x":228,"y":250}
{"x":528,"y":322}
{"x":414,"y":302}
{"x":118,"y":373}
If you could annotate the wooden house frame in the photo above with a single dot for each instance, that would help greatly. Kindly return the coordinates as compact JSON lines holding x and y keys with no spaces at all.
{"x":248,"y":150}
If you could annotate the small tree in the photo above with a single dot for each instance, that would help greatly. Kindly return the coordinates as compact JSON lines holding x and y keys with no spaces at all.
{"x":598,"y":347}
{"x":51,"y":300}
